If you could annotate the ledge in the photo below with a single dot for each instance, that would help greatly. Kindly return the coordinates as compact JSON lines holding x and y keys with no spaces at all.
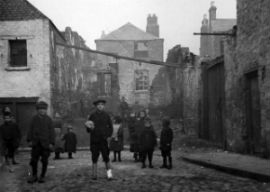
{"x":141,"y":91}
{"x":17,"y":68}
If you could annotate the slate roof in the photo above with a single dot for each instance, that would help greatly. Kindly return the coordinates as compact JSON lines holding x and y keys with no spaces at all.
{"x":220,"y":25}
{"x":17,"y":10}
{"x":129,"y":32}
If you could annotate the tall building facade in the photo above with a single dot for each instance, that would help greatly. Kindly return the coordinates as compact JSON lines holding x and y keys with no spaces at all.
{"x":134,"y":78}
{"x":211,"y":46}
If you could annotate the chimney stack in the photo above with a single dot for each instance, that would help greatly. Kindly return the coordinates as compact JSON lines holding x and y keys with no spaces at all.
{"x":212,"y":11}
{"x":152,"y":25}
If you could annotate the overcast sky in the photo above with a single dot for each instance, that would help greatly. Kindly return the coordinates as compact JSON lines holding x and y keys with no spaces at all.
{"x":178,"y":19}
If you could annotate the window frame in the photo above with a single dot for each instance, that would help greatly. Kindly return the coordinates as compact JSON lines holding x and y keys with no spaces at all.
{"x":140,"y":52}
{"x":142,"y":80}
{"x":12,"y":48}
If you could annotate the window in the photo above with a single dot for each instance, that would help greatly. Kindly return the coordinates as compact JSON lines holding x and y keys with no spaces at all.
{"x":105,"y":83}
{"x":18,"y":53}
{"x":140,"y":49}
{"x":142,"y":79}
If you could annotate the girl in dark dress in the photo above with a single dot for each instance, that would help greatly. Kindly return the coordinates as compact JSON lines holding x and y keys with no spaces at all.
{"x":70,"y":139}
{"x":116,"y":144}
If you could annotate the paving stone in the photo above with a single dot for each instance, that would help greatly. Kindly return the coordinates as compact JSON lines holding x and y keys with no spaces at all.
{"x":75,"y":175}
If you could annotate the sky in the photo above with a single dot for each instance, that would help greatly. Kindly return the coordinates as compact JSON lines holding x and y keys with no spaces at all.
{"x":178,"y":19}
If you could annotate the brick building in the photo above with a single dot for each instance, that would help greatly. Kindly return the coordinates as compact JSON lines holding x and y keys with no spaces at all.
{"x":212,"y":46}
{"x":134,"y":79}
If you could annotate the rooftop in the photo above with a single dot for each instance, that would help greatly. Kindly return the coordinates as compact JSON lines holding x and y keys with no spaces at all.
{"x":129,"y":32}
{"x":21,"y":10}
{"x":219,"y":25}
{"x":14,"y":10}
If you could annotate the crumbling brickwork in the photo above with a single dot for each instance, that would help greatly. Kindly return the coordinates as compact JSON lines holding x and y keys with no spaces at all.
{"x":74,"y":72}
{"x":176,"y":90}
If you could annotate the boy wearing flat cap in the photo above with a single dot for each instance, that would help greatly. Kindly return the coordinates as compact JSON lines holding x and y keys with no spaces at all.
{"x":41,"y":138}
{"x":99,"y":125}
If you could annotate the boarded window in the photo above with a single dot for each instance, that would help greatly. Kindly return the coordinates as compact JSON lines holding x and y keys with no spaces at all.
{"x":140,"y":49}
{"x":142,"y":79}
{"x":18,"y":53}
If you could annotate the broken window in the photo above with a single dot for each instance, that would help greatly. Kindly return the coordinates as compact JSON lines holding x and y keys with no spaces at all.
{"x":18,"y":53}
{"x":141,"y":49}
{"x":142,"y":79}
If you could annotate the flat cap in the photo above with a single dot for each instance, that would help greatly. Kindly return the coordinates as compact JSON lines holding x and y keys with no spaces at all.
{"x":41,"y":105}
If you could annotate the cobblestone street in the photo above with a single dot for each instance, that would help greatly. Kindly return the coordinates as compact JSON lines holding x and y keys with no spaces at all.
{"x":75,"y":175}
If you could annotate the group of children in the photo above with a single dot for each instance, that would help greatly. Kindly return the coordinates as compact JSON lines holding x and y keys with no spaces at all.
{"x":43,"y":137}
{"x":143,"y":139}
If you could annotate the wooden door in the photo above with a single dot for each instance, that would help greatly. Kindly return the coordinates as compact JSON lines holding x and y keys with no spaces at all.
{"x":215,"y":102}
{"x":25,"y":112}
{"x":22,"y":109}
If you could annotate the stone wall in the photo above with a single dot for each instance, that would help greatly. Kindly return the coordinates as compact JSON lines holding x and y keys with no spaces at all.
{"x":176,"y":90}
{"x":249,"y":51}
{"x":191,"y":95}
{"x":74,"y":72}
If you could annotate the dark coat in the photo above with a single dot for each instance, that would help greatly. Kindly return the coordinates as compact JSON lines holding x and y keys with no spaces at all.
{"x":139,"y":127}
{"x":124,"y":108}
{"x":41,"y":130}
{"x":10,"y":132}
{"x":116,"y":143}
{"x":148,"y":139}
{"x":57,"y":123}
{"x":70,"y":142}
{"x":103,"y":127}
{"x":131,"y":129}
{"x":166,"y":138}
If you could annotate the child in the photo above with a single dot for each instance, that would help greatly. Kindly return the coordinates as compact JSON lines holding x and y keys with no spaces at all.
{"x":148,"y":141}
{"x":139,"y":126}
{"x":70,"y":141}
{"x":116,"y":144}
{"x":166,"y":138}
{"x":10,"y":136}
{"x":58,"y":147}
{"x":41,"y":138}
